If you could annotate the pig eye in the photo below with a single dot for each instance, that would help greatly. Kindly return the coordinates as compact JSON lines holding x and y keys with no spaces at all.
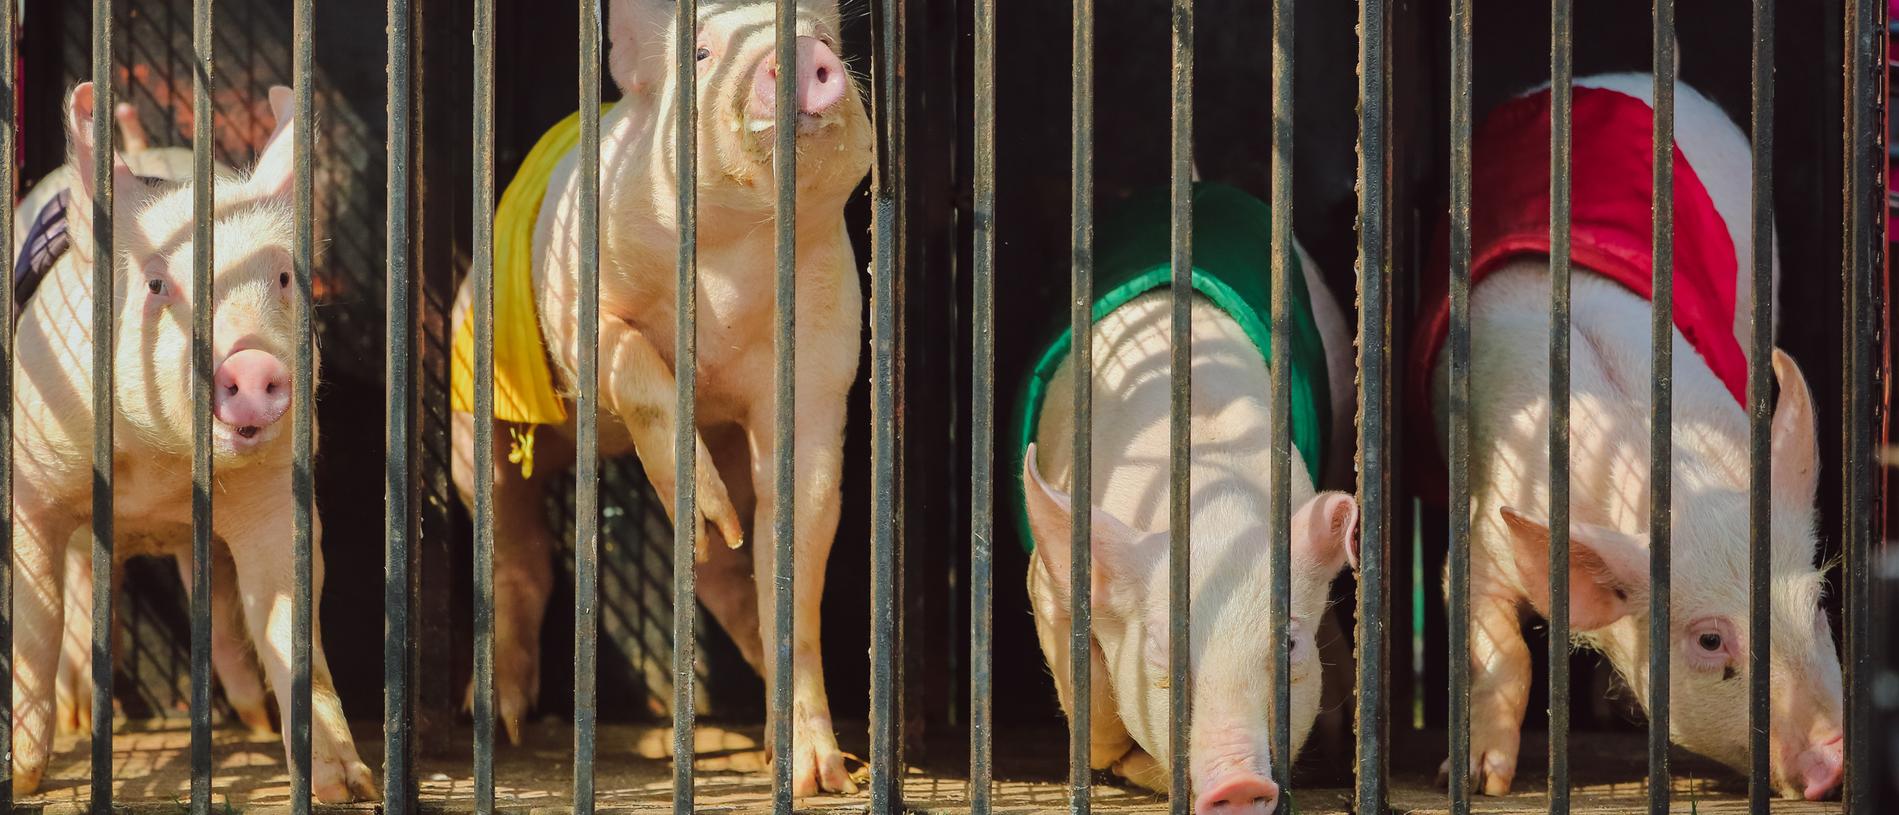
{"x":1710,"y":642}
{"x":283,"y":280}
{"x":155,"y":285}
{"x":702,"y":54}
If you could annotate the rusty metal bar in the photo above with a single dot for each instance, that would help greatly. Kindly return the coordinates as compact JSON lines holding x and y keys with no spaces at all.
{"x":103,"y":332}
{"x":1562,"y":55}
{"x":203,"y":209}
{"x":784,"y":402}
{"x":303,"y":410}
{"x":1661,"y":407}
{"x":587,"y":419}
{"x":1760,"y":393}
{"x":1371,"y":717}
{"x":1459,"y":398}
{"x":982,"y":436}
{"x":399,"y":408}
{"x":1280,"y":476}
{"x":483,"y":207}
{"x":1180,"y":420}
{"x":685,"y":403}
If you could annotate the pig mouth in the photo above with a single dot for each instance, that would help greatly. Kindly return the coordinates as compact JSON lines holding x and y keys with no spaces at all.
{"x":248,"y":431}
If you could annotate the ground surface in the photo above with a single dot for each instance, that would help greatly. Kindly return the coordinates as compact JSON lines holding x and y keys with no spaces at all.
{"x":634,"y":775}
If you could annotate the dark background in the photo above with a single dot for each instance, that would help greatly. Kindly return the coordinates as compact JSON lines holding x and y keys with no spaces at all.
{"x":536,"y":86}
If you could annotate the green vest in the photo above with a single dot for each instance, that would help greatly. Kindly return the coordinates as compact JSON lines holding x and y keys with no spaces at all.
{"x":1232,"y":255}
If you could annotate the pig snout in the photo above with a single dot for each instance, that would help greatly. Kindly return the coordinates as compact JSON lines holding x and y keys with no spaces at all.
{"x":251,"y":390}
{"x":1817,"y":770}
{"x":1240,"y":792}
{"x":820,"y":83}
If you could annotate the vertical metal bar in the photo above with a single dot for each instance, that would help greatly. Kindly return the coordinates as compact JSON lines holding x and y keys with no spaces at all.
{"x":1180,"y":424}
{"x":399,"y":409}
{"x":1459,"y":398}
{"x":1760,"y":391}
{"x":1562,"y":54}
{"x":9,"y":128}
{"x":685,"y":404}
{"x":587,"y":420}
{"x":303,"y":416}
{"x":203,"y":200}
{"x":1280,"y":478}
{"x":1866,"y":262}
{"x":484,"y":520}
{"x":1081,"y":360}
{"x":887,"y":251}
{"x":982,"y":418}
{"x":1374,"y":348}
{"x":103,"y":330}
{"x":1661,"y":416}
{"x":784,"y":419}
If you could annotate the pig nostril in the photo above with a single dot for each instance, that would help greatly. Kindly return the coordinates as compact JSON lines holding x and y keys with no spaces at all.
{"x":824,"y":75}
{"x":231,"y":389}
{"x":270,"y":388}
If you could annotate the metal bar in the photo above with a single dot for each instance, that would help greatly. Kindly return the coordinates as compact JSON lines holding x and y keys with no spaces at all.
{"x":484,"y":515}
{"x":399,"y":408}
{"x":1280,"y":476}
{"x":1866,"y":181}
{"x":1081,"y":360}
{"x":982,"y":418}
{"x":9,"y":129}
{"x":204,"y":203}
{"x":303,"y":415}
{"x":587,"y":421}
{"x":1180,"y":421}
{"x":887,"y":252}
{"x":1760,"y":391}
{"x":1374,"y":349}
{"x":784,"y":401}
{"x":1562,"y":55}
{"x":103,"y":330}
{"x":1661,"y":416}
{"x":685,"y":403}
{"x":1459,"y":398}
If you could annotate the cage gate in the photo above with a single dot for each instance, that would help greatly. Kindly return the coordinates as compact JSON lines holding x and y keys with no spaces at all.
{"x":939,"y":213}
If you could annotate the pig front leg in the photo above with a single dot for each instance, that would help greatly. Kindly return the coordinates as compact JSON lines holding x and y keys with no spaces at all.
{"x":72,"y":698}
{"x":638,"y":386}
{"x":1499,"y":690}
{"x":523,"y":571}
{"x":816,"y":762}
{"x":259,"y":535}
{"x":230,"y":648}
{"x":1110,"y":745}
{"x":40,"y":533}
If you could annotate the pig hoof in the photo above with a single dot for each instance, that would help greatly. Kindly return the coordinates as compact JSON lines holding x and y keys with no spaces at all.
{"x":816,"y":765}
{"x":715,"y":505}
{"x":342,"y":782}
{"x":513,"y":686}
{"x":1491,"y":772}
{"x":26,"y":780}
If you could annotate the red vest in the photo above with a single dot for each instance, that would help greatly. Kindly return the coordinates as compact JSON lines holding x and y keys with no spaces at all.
{"x":1611,"y":200}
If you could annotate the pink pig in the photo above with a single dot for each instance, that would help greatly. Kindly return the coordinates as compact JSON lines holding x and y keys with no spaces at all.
{"x":1609,"y":435}
{"x":736,"y":70}
{"x":254,"y":334}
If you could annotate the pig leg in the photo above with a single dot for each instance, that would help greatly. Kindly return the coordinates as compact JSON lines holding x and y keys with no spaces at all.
{"x":638,"y":386}
{"x":73,"y":695}
{"x":523,"y":570}
{"x":259,"y":541}
{"x":724,"y":582}
{"x":1499,"y":692}
{"x":230,"y":648}
{"x":816,"y":762}
{"x":40,"y":533}
{"x":1109,"y":741}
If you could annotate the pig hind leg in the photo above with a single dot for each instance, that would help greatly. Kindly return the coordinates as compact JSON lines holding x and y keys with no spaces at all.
{"x":523,"y":571}
{"x":724,"y":581}
{"x":231,"y":656}
{"x":39,"y":538}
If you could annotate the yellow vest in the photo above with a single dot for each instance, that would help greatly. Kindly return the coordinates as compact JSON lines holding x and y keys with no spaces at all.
{"x":524,"y":385}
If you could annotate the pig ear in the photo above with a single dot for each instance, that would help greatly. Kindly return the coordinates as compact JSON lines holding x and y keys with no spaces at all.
{"x":1050,"y":522}
{"x":1608,"y":570}
{"x":276,"y":171}
{"x":636,"y":31}
{"x":82,"y":134}
{"x":1325,"y":535}
{"x":1796,"y":453}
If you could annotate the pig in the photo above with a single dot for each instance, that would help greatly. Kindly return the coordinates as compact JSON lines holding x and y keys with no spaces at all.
{"x":1609,"y":499}
{"x":232,"y":661}
{"x":736,"y":68}
{"x":253,"y":505}
{"x":1231,"y":515}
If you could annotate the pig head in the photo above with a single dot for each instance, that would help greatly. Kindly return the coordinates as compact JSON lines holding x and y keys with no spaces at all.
{"x":1708,"y":607}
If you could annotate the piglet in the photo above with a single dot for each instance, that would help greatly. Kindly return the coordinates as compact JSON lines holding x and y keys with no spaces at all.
{"x":1231,"y":607}
{"x":254,"y":335}
{"x":1609,"y":435}
{"x":736,"y":70}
